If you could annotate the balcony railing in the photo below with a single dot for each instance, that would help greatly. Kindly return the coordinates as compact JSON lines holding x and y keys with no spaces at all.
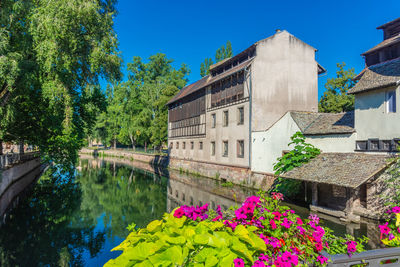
{"x":8,"y":160}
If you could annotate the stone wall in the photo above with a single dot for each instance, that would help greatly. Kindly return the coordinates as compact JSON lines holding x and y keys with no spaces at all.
{"x":15,"y":179}
{"x":237,"y":175}
{"x":148,"y":158}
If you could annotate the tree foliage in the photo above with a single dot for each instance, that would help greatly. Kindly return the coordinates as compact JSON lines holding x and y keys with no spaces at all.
{"x":301,"y":153}
{"x":53,"y":54}
{"x":225,"y":51}
{"x":136,"y":109}
{"x":335,"y":98}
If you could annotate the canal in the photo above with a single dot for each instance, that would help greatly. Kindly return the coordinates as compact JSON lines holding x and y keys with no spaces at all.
{"x":76,"y":220}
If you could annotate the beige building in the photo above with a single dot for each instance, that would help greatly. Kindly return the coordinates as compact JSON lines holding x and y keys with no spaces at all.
{"x":212,"y":120}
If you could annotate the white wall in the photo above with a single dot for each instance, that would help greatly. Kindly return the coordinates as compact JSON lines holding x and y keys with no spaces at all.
{"x":371,"y":117}
{"x":344,"y":143}
{"x":284,"y":77}
{"x":268,"y":145}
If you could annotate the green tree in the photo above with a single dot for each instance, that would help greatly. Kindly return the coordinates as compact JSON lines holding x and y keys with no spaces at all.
{"x":205,"y":66}
{"x":54,"y":54}
{"x":222,"y":53}
{"x":335,"y":98}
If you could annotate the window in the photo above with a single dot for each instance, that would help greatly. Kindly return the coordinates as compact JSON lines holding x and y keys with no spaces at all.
{"x":225,"y":148}
{"x":201,"y":145}
{"x":213,"y":120}
{"x":177,"y":145}
{"x":226,"y":118}
{"x":361,"y":145}
{"x":184,"y":145}
{"x":385,"y":145}
{"x":391,"y":101}
{"x":373,"y":144}
{"x":213,"y":148}
{"x":240,"y":149}
{"x":192,"y":145}
{"x":240,"y":116}
{"x":395,"y":145}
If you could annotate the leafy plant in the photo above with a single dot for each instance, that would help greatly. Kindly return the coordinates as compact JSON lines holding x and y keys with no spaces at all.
{"x":299,"y":155}
{"x":261,"y":232}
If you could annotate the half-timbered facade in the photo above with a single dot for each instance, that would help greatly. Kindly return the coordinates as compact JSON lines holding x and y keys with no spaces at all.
{"x":212,"y":120}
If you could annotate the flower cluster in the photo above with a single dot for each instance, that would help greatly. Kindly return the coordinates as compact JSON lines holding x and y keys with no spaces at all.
{"x":192,"y":212}
{"x":390,"y":231}
{"x":289,"y":239}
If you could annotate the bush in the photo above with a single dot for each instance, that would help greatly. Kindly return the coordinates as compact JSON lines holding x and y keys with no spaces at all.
{"x":260,"y":233}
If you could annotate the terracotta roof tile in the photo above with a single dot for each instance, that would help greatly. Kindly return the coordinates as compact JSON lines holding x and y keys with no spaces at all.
{"x":312,"y":123}
{"x":378,"y":76}
{"x":390,"y":41}
{"x":342,"y":169}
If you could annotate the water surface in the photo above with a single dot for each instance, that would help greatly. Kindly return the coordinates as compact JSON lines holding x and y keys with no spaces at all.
{"x":76,"y":221}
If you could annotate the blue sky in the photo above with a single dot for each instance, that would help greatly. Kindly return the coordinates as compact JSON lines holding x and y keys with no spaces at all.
{"x":189,"y":31}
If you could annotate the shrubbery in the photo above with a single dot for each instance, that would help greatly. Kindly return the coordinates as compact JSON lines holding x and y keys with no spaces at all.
{"x":260,"y":233}
{"x":390,"y":231}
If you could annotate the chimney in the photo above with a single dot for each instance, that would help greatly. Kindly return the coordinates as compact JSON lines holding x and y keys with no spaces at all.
{"x":277,"y":30}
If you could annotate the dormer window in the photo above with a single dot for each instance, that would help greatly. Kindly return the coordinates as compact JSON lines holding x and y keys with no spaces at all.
{"x":391,"y":101}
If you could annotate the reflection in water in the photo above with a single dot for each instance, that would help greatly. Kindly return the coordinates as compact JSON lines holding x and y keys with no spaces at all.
{"x":76,"y":221}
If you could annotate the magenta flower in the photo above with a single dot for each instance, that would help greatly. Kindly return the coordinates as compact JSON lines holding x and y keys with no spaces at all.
{"x":396,"y":209}
{"x":277,"y":215}
{"x":314,"y":219}
{"x":259,"y":263}
{"x":384,"y":229}
{"x":253,"y":200}
{"x":322,"y":259}
{"x":240,"y":214}
{"x":263,"y":257}
{"x":286,"y":223}
{"x":301,"y":230}
{"x":179,"y":213}
{"x":351,"y":247}
{"x":273,"y":224}
{"x":289,"y":258}
{"x":299,"y":221}
{"x":238,"y":262}
{"x":318,"y":246}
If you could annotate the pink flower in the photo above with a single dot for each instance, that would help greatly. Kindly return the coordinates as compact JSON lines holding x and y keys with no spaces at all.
{"x":384,"y":229}
{"x":289,"y":258}
{"x":273,"y":224}
{"x":314,"y":219}
{"x":396,"y":209}
{"x":351,"y":247}
{"x":299,"y":221}
{"x":259,"y":263}
{"x":240,"y":214}
{"x":263,"y":257}
{"x":301,"y":229}
{"x":286,"y":223}
{"x":277,"y":215}
{"x":322,"y":259}
{"x":277,"y":196}
{"x":318,"y":246}
{"x":238,"y":262}
{"x":179,"y":213}
{"x":253,"y":200}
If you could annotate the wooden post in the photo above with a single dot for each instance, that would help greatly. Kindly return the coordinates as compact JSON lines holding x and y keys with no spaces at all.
{"x":305,"y":192}
{"x":314,"y":200}
{"x":349,"y":200}
{"x":21,"y":147}
{"x":1,"y":147}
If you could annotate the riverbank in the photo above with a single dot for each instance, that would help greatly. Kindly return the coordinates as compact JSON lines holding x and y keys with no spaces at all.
{"x":223,"y":173}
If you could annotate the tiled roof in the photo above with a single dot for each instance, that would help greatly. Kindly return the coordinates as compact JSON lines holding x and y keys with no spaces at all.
{"x":390,"y":23}
{"x":390,"y":41}
{"x":312,"y":123}
{"x":208,"y":80}
{"x":341,"y":169}
{"x":378,"y":76}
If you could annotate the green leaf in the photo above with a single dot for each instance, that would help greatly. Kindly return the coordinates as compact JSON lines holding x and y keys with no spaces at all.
{"x":201,"y":239}
{"x":204,"y":254}
{"x":154,"y":226}
{"x":211,"y":261}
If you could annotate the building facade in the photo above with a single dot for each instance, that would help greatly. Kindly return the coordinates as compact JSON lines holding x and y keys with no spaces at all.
{"x":212,"y":120}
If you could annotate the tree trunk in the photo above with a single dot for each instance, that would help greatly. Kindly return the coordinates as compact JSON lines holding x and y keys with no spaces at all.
{"x":133,"y":142}
{"x":115,"y":143}
{"x":145,"y":146}
{"x":1,"y":147}
{"x":21,"y":147}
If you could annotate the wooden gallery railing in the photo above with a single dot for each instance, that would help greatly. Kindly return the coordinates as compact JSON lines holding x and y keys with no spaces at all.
{"x":8,"y":160}
{"x":386,"y":257}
